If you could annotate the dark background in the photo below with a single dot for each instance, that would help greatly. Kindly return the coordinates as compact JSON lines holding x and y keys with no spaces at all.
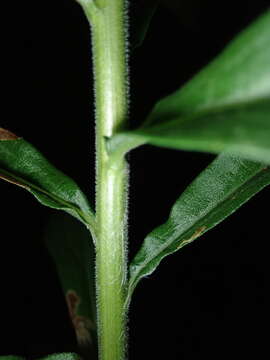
{"x":207,"y":301}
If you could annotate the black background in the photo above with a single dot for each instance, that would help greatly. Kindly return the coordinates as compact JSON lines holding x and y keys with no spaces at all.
{"x":207,"y":301}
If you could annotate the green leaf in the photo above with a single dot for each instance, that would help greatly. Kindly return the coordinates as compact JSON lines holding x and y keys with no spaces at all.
{"x":240,"y":74}
{"x":63,"y":356}
{"x":70,"y":246}
{"x":226,"y":106}
{"x":11,"y":357}
{"x":244,"y":130}
{"x":143,"y":13}
{"x":23,"y":165}
{"x":226,"y":184}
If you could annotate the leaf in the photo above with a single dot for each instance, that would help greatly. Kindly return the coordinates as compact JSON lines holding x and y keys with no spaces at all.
{"x":71,"y":248}
{"x":11,"y":357}
{"x":226,"y":184}
{"x":240,"y":74}
{"x":244,"y":130}
{"x":226,"y":106}
{"x":63,"y":356}
{"x":143,"y":13}
{"x":22,"y":165}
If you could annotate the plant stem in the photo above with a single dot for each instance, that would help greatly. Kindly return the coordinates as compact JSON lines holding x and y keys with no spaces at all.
{"x":107,"y":19}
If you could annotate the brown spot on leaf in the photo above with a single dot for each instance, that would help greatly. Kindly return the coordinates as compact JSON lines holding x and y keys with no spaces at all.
{"x":73,"y":302}
{"x":7,"y":135}
{"x":82,"y":324}
{"x":196,"y":234}
{"x":199,"y":231}
{"x":13,"y":181}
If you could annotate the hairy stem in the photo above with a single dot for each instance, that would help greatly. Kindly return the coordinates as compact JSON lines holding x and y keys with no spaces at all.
{"x":107,"y":19}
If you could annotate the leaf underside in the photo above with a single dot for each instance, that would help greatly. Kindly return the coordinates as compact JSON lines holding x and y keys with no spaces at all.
{"x":226,"y":184}
{"x":22,"y":165}
{"x":240,"y":74}
{"x":243,"y":130}
{"x":225,"y":107}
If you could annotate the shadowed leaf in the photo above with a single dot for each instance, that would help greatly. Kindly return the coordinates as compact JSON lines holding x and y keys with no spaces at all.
{"x":142,"y":16}
{"x":72,"y":250}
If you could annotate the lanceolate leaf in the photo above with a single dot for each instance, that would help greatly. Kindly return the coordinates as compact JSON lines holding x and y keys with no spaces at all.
{"x":72,"y":250}
{"x":216,"y":193}
{"x":22,"y":165}
{"x":240,"y":74}
{"x":226,"y":106}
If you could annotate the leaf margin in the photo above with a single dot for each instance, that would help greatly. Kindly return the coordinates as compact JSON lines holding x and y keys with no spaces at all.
{"x":80,"y":209}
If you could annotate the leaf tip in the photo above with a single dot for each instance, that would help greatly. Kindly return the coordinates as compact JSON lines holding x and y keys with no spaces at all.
{"x":7,"y":135}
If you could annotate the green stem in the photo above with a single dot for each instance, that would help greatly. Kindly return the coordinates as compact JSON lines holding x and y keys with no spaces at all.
{"x":107,"y":19}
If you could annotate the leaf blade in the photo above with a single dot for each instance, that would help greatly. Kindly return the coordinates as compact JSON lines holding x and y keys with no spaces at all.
{"x":240,"y":73}
{"x":243,"y":130}
{"x":211,"y":112}
{"x":226,"y":184}
{"x":25,"y":166}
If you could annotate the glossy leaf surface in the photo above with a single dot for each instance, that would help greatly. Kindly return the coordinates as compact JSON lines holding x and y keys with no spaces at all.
{"x":226,"y":106}
{"x":23,"y":165}
{"x":72,"y":250}
{"x":217,"y":192}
